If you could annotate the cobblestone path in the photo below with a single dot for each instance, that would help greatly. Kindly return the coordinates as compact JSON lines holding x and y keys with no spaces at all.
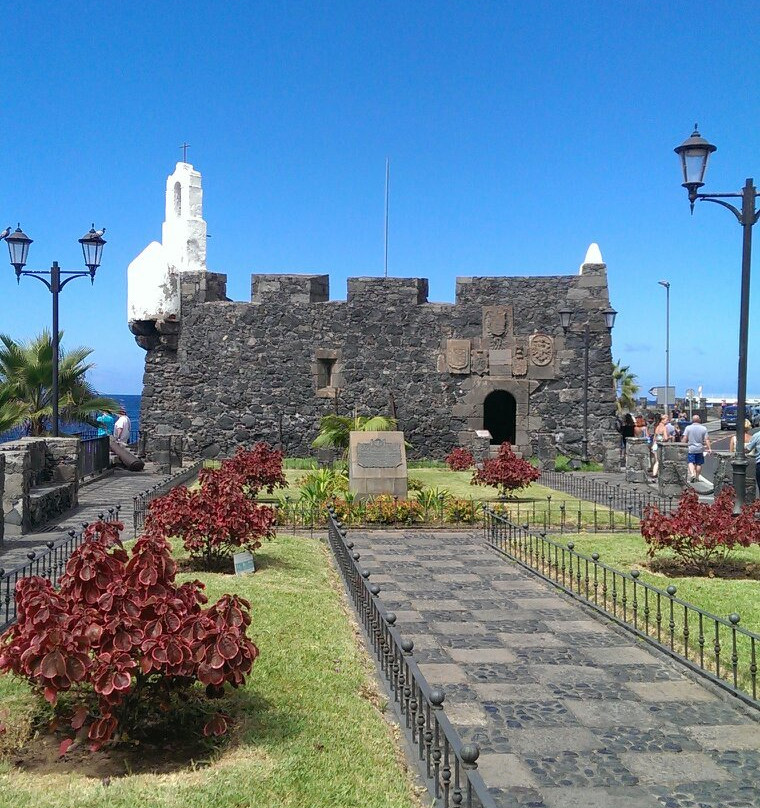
{"x":568,"y":710}
{"x":119,"y":488}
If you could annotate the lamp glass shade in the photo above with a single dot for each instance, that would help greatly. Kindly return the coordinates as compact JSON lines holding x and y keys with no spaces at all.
{"x":609,"y":318}
{"x":565,"y":315}
{"x":18,"y":247}
{"x":694,"y":152}
{"x":92,"y":248}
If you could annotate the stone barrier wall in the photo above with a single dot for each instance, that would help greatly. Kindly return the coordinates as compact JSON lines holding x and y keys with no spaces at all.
{"x":637,"y":460}
{"x":724,"y":475}
{"x":41,"y":481}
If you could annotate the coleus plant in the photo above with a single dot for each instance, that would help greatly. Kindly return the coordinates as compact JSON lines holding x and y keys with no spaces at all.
{"x":700,"y":534}
{"x":121,"y":635}
{"x":460,"y":459}
{"x":258,"y":468}
{"x":506,"y":471}
{"x":212,"y":520}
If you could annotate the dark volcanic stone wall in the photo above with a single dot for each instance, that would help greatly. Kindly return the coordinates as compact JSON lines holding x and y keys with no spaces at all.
{"x":267,"y":370}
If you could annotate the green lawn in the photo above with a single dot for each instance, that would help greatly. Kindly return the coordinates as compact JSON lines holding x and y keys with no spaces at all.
{"x":309,"y":731}
{"x":720,"y":596}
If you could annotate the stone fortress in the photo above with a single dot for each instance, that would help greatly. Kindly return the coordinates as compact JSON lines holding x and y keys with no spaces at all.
{"x":225,"y":373}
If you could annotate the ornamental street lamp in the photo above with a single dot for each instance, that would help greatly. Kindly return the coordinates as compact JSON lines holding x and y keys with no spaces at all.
{"x":666,"y":284}
{"x":694,"y":153}
{"x":565,"y":316}
{"x":92,"y":249}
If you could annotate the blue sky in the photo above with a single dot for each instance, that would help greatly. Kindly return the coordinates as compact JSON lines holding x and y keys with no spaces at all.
{"x":518,"y":134}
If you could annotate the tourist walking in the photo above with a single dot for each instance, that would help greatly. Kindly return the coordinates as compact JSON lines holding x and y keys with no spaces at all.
{"x":698,"y":440}
{"x":627,"y":430}
{"x":661,"y":435}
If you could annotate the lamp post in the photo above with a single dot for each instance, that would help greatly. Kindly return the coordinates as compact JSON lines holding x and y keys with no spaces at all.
{"x":92,"y":248}
{"x":694,"y":153}
{"x":565,"y":316}
{"x":666,"y":284}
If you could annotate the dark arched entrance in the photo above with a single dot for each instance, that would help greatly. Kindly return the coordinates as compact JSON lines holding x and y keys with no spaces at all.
{"x":500,"y":416}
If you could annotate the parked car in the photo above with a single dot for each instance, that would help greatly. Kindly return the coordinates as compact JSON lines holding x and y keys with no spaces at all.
{"x":728,"y":416}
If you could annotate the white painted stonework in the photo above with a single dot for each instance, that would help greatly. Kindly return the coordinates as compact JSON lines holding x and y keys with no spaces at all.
{"x":152,"y":278}
{"x":593,"y":257}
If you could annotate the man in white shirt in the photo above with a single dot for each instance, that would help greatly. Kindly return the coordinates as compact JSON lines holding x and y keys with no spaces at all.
{"x":122,"y":427}
{"x":696,"y":436}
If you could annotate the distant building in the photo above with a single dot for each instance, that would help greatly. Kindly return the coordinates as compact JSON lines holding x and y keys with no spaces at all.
{"x":229,"y":373}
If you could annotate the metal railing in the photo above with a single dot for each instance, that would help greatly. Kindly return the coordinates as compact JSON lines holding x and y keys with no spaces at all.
{"x":142,"y":501}
{"x":94,"y":456}
{"x":49,"y":563}
{"x":548,"y":514}
{"x":616,"y":497}
{"x":448,"y":765}
{"x":716,"y":647}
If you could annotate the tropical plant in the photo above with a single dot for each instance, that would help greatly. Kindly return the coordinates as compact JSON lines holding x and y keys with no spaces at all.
{"x":432,"y":500}
{"x":257,"y":468}
{"x":122,"y":637}
{"x":460,"y":459}
{"x":506,"y":471}
{"x":212,"y":520}
{"x":702,"y":535}
{"x":335,"y":430}
{"x":459,"y":509}
{"x":625,"y":385}
{"x":26,"y":394}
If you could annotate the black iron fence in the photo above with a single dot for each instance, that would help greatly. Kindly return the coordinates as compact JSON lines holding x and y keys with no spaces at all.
{"x":549,"y":514}
{"x":94,"y":456}
{"x":715,"y":647}
{"x":449,"y":766}
{"x":141,"y":501}
{"x":49,"y":562}
{"x":616,"y":497}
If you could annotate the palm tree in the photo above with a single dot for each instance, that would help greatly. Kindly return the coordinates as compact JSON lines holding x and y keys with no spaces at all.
{"x":26,"y":374}
{"x":626,"y":387}
{"x":335,"y":430}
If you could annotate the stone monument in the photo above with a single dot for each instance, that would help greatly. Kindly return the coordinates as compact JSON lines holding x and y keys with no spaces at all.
{"x":377,"y":464}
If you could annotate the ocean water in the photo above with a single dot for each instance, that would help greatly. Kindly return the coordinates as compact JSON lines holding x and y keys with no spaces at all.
{"x":130,"y":403}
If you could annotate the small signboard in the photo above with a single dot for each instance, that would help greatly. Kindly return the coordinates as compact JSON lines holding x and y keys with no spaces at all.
{"x":243,"y":563}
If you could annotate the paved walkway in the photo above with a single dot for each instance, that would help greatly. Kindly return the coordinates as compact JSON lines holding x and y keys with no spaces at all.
{"x":96,"y":497}
{"x":568,"y":710}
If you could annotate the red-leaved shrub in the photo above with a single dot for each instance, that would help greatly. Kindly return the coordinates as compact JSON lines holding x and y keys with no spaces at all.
{"x":258,"y":468}
{"x":702,"y":535}
{"x":506,"y":471}
{"x":122,"y":636}
{"x":212,"y":520}
{"x":460,"y":459}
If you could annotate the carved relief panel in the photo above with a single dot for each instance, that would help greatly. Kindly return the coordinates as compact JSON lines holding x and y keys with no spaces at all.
{"x":458,"y":355}
{"x":541,"y":349}
{"x":498,"y":326}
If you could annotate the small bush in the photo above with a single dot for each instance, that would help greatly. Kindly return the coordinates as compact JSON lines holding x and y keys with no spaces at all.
{"x":464,"y":510}
{"x":460,"y":459}
{"x":122,"y":637}
{"x":214,"y":519}
{"x":506,"y":471}
{"x":258,"y":468}
{"x":702,"y":535}
{"x":387,"y":510}
{"x":415,"y":484}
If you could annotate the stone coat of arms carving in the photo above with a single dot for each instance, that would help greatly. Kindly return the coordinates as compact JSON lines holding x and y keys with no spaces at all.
{"x":498,"y":325}
{"x":479,"y":362}
{"x":519,"y":362}
{"x":458,"y":355}
{"x":541,"y":349}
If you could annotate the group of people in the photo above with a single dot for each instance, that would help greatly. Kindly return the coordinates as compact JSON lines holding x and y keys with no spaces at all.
{"x":120,"y":427}
{"x":666,"y":430}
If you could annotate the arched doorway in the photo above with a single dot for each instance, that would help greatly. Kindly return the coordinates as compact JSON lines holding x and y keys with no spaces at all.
{"x":500,"y":416}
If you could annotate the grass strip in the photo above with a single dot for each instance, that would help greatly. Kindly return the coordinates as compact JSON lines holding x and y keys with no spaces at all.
{"x":310,"y":727}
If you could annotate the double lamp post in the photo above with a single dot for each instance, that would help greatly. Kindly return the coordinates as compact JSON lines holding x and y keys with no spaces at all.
{"x":92,"y":249}
{"x":694,"y":153}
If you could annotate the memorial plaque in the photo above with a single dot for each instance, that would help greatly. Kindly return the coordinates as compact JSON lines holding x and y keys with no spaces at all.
{"x":378,"y":454}
{"x":243,"y":563}
{"x":377,"y":464}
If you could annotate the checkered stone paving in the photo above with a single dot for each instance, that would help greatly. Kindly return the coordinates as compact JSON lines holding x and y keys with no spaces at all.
{"x":568,"y":710}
